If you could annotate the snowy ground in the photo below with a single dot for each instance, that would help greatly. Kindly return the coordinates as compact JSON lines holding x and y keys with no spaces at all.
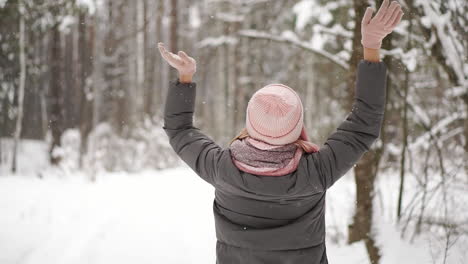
{"x":143,"y":218}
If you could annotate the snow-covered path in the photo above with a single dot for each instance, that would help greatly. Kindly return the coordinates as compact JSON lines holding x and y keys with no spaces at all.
{"x":149,"y":217}
{"x":119,"y":219}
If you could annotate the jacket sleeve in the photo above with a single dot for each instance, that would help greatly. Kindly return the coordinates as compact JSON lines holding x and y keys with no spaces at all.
{"x":355,"y":135}
{"x":197,"y":150}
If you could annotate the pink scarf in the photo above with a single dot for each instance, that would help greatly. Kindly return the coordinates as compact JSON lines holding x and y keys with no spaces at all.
{"x":260,"y":158}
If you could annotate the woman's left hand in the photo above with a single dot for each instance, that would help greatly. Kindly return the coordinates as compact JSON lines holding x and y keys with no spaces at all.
{"x":375,"y":29}
{"x":187,"y":66}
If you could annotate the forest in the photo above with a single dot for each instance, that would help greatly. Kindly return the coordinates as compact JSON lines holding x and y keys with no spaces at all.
{"x":83,"y":86}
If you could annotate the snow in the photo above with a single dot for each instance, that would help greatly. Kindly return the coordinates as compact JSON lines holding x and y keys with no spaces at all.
{"x":395,"y":250}
{"x":426,"y":21}
{"x":410,"y":59}
{"x":336,"y":29}
{"x":90,"y":4}
{"x":305,"y":10}
{"x":290,"y":37}
{"x":317,"y":41}
{"x":194,"y":17}
{"x":66,"y":23}
{"x":160,"y":216}
{"x":438,"y":127}
{"x":453,"y":48}
{"x":118,"y":219}
{"x":229,"y":17}
{"x":32,"y":157}
{"x":217,"y":41}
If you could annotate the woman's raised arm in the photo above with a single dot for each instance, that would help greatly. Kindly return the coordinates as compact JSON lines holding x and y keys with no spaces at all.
{"x":185,"y":65}
{"x":361,"y":127}
{"x":374,"y":30}
{"x":196,"y":149}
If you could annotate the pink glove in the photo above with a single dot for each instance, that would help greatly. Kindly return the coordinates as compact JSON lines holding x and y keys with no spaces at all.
{"x":375,"y":29}
{"x":182,"y":62}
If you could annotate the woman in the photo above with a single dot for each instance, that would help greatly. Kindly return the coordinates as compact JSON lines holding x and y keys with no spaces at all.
{"x":271,"y":181}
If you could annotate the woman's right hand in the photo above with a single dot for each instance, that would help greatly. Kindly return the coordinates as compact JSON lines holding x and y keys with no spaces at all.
{"x":187,"y":66}
{"x":374,"y":30}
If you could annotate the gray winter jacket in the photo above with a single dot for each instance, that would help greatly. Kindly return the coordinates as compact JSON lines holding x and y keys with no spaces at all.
{"x":261,"y":219}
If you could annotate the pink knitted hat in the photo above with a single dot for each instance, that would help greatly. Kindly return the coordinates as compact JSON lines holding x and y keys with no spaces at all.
{"x":275,"y":115}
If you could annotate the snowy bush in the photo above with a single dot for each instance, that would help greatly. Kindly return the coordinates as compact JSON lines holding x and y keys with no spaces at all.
{"x":145,"y":147}
{"x":69,"y":151}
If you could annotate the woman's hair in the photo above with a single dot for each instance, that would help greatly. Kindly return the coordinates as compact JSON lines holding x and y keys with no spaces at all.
{"x":305,"y":145}
{"x":243,"y":134}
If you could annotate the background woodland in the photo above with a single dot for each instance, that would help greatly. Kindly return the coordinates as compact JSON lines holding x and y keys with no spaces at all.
{"x":86,"y":77}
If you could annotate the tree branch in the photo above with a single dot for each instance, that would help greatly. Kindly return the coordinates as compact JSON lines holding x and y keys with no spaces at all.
{"x":290,"y":38}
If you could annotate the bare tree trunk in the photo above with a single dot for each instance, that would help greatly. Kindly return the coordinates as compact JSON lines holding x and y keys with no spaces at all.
{"x":56,"y":94}
{"x":44,"y":115}
{"x":405,"y":132}
{"x":235,"y":66}
{"x":225,"y":50}
{"x":404,"y":148}
{"x":1,"y":150}
{"x":354,"y":230}
{"x":241,"y":64}
{"x":43,"y":84}
{"x":159,"y":68}
{"x":31,"y":123}
{"x":85,"y":51}
{"x":69,"y":80}
{"x":149,"y":61}
{"x":365,"y":170}
{"x":115,"y":99}
{"x":418,"y":227}
{"x":22,"y":80}
{"x":97,"y":75}
{"x":141,"y":78}
{"x":173,"y":37}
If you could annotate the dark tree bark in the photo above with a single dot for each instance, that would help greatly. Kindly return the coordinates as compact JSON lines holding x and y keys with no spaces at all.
{"x":366,"y":169}
{"x":22,"y":82}
{"x":56,"y":115}
{"x":32,"y":121}
{"x":70,"y":90}
{"x":85,"y":50}
{"x":9,"y":66}
{"x":148,"y":85}
{"x":356,"y":231}
{"x":157,"y":63}
{"x":114,"y":106}
{"x":404,"y":129}
{"x":173,"y":39}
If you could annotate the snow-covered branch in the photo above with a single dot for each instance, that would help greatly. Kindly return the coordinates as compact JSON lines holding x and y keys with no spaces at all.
{"x":447,"y":35}
{"x":439,"y":127}
{"x":425,"y":138}
{"x":217,"y":41}
{"x":336,"y":30}
{"x":291,"y":38}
